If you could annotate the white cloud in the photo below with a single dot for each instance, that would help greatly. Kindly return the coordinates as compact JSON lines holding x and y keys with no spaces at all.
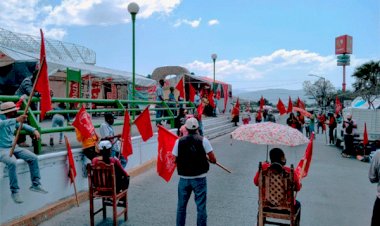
{"x":280,"y":69}
{"x":27,"y":16}
{"x":213,"y":22}
{"x":192,"y":23}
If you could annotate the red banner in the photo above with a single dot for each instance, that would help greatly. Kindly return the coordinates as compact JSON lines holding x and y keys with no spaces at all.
{"x":165,"y":159}
{"x":83,"y":123}
{"x":72,"y":170}
{"x":144,"y":125}
{"x":126,"y":140}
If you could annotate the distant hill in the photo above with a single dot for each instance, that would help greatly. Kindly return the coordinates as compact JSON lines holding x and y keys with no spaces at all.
{"x":272,"y":95}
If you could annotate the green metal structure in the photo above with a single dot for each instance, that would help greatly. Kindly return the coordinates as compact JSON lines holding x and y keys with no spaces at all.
{"x":115,"y":106}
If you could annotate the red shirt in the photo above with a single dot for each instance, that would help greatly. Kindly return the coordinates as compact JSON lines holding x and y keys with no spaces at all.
{"x":266,"y":165}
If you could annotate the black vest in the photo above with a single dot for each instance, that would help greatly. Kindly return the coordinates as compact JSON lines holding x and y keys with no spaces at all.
{"x":191,"y":159}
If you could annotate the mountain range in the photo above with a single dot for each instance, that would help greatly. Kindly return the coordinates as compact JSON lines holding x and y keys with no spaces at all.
{"x":272,"y":95}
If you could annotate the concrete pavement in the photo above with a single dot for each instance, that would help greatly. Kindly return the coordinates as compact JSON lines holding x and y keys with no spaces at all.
{"x":336,"y":192}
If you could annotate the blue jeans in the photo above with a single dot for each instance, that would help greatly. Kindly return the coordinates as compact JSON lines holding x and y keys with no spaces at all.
{"x":27,"y":156}
{"x":185,"y":187}
{"x":58,"y":120}
{"x":159,"y":113}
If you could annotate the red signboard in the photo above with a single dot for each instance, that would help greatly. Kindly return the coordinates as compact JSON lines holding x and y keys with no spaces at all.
{"x":343,"y":44}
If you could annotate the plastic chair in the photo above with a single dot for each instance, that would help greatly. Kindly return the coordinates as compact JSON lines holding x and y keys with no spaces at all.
{"x":102,"y":184}
{"x":276,"y":196}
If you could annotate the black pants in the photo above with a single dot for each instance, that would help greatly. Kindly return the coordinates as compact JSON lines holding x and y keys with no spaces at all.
{"x":331,"y":135}
{"x":376,"y":213}
{"x":349,"y":144}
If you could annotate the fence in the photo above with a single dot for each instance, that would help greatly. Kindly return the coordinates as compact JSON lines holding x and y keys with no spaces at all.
{"x":108,"y":105}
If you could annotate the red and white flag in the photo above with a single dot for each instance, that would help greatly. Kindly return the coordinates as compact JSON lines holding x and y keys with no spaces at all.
{"x":165,"y":159}
{"x":290,"y":106}
{"x":83,"y":123}
{"x":281,"y":107}
{"x":306,"y":160}
{"x":126,"y":140}
{"x":144,"y":125}
{"x":70,"y":158}
{"x":42,"y":83}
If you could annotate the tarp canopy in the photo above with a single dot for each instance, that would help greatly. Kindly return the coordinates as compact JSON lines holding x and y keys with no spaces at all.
{"x":56,"y":66}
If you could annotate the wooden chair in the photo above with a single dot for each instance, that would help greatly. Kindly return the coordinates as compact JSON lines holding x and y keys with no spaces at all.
{"x":276,"y":196}
{"x":102,"y":184}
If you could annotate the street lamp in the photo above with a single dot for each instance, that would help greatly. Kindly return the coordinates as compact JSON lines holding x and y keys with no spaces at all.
{"x":133,"y":9}
{"x":323,"y":87}
{"x":213,"y":57}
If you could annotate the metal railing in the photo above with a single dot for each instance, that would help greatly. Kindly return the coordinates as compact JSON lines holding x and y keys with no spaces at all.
{"x":108,"y":105}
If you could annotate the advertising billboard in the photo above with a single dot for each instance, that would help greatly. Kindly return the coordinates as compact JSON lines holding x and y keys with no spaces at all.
{"x":343,"y":44}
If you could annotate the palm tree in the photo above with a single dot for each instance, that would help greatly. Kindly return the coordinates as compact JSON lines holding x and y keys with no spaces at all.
{"x":367,"y":83}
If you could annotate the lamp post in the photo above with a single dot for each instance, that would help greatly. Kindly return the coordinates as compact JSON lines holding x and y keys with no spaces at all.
{"x":213,"y":57}
{"x":133,"y":9}
{"x":323,"y":87}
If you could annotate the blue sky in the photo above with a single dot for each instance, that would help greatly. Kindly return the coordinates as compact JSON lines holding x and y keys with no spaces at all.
{"x":260,"y":44}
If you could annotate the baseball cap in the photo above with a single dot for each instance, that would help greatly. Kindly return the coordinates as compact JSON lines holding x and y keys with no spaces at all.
{"x":191,"y":123}
{"x":105,"y":144}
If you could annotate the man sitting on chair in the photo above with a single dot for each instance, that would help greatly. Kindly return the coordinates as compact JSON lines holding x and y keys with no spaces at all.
{"x":277,"y":157}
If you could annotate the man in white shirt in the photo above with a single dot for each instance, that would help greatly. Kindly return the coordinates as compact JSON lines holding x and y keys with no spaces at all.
{"x":192,"y":153}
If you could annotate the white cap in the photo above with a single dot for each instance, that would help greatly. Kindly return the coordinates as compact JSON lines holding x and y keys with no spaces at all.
{"x":348,"y":115}
{"x":191,"y":123}
{"x":105,"y":144}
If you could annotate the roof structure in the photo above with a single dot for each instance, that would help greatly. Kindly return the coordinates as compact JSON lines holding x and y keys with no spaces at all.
{"x":55,"y":50}
{"x":15,"y":47}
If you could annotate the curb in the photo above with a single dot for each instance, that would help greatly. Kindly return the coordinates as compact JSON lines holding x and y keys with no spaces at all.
{"x":56,"y":208}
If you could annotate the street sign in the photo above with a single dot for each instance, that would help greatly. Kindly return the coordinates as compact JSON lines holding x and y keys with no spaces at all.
{"x":343,"y":60}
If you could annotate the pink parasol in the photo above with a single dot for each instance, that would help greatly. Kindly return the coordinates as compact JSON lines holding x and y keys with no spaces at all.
{"x":302,"y":111}
{"x":269,"y":133}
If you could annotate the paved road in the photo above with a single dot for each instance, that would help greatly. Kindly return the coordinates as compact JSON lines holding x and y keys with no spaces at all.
{"x":336,"y":192}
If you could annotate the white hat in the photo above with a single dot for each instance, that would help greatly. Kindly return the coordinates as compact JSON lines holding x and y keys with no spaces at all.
{"x":191,"y":123}
{"x":348,"y":115}
{"x":8,"y":107}
{"x":105,"y":144}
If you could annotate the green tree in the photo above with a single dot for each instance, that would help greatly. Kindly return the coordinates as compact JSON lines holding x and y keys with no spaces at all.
{"x":367,"y":83}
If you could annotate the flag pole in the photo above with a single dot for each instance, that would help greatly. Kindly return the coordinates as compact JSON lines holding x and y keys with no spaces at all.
{"x":75,"y":187}
{"x":223,"y":167}
{"x":26,"y":108}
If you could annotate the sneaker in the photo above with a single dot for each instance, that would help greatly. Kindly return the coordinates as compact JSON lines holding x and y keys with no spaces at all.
{"x":16,"y":198}
{"x":51,"y":142}
{"x":38,"y":188}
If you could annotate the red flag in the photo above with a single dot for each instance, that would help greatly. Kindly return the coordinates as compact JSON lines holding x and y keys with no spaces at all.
{"x":218,"y":94}
{"x":307,"y":157}
{"x":300,"y":104}
{"x":191,"y":93}
{"x":72,"y":170}
{"x":126,"y":141}
{"x":144,"y":125}
{"x":262,"y":103}
{"x":19,"y":102}
{"x":83,"y":123}
{"x":200,"y":111}
{"x":236,"y":109}
{"x":365,"y":135}
{"x":281,"y":107}
{"x":42,"y":83}
{"x":225,"y":95}
{"x":165,"y":159}
{"x":338,"y":105}
{"x":211,"y":99}
{"x":181,"y":88}
{"x":290,"y":106}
